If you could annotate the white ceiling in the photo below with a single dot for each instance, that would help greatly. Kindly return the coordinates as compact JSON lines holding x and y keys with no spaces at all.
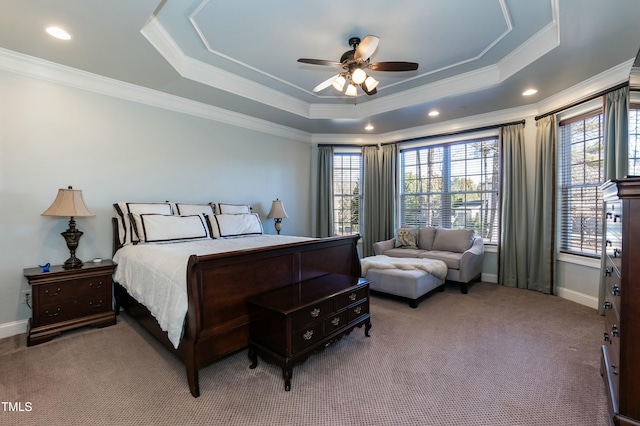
{"x":475,"y":56}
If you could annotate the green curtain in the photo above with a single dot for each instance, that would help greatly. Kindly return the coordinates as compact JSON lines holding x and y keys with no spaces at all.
{"x":616,"y":153}
{"x":324,"y":226}
{"x":371,"y":186}
{"x":513,"y":251}
{"x":542,"y":248}
{"x":388,"y":191}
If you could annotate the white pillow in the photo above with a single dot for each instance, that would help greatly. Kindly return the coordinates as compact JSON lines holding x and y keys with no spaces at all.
{"x":125,"y":229}
{"x":159,"y":228}
{"x":234,"y":225}
{"x":189,"y":209}
{"x":222,"y":208}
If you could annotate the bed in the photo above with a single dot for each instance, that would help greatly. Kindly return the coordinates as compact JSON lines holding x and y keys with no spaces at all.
{"x":219,"y":274}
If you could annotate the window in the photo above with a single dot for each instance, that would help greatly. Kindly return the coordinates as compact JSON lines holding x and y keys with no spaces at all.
{"x":347,"y":172}
{"x":634,"y":140}
{"x":581,"y":155}
{"x":452,"y":186}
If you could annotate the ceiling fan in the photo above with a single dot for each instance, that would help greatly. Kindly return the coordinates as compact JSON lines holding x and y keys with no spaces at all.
{"x":354,"y":63}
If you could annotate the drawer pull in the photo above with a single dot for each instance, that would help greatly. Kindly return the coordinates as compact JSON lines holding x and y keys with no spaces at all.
{"x":607,"y":272}
{"x":608,"y":243}
{"x":308,"y":335}
{"x":614,"y":331}
{"x":617,"y":252}
{"x":357,"y":310}
{"x":606,"y":336}
{"x":54,"y":314}
{"x":607,"y":305}
{"x":615,"y":290}
{"x":58,"y":290}
{"x":95,"y":286}
{"x":95,"y":306}
{"x":352,"y":296}
{"x":315,"y":312}
{"x":335,"y":321}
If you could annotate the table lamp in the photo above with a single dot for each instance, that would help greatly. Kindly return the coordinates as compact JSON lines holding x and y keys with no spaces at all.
{"x":69,"y":202}
{"x":277,"y":213}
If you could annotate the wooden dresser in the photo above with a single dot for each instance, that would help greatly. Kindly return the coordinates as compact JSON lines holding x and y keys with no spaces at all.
{"x":64,"y":299}
{"x":621,"y":349}
{"x":290,"y":323}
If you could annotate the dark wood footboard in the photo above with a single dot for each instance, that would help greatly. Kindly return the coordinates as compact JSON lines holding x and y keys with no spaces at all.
{"x":218,"y":285}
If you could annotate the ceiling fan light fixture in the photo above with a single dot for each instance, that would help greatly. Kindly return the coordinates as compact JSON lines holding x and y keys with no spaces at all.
{"x":358,"y":76}
{"x":338,"y":83}
{"x":371,"y":83}
{"x":351,"y":90}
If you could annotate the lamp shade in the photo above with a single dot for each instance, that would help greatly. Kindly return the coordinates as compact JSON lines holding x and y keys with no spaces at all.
{"x":277,"y":210}
{"x":68,"y":202}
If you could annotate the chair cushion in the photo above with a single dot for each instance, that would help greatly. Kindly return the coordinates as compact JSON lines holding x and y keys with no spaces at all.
{"x":426,"y":237}
{"x":456,"y":240}
{"x":450,"y":258}
{"x":403,"y":252}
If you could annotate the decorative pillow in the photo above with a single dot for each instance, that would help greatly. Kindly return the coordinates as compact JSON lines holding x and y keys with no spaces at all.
{"x":125,"y":228}
{"x":234,"y":225}
{"x":159,"y":228}
{"x":222,"y":208}
{"x":426,"y":237}
{"x":407,"y":238}
{"x":190,"y":209}
{"x":455,"y":240}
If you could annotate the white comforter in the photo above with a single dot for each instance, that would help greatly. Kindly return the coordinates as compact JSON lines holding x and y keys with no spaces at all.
{"x":156,"y":274}
{"x":435,"y":267}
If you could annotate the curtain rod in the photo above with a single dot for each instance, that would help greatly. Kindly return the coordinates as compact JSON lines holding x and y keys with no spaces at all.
{"x":459,"y":132}
{"x":342,"y":145}
{"x":581,"y":101}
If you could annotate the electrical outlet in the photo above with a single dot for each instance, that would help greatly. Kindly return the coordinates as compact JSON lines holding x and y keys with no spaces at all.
{"x":26,"y":297}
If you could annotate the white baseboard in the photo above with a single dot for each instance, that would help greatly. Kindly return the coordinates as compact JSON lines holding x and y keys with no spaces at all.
{"x":489,"y":278}
{"x":12,"y":328}
{"x":580,"y":298}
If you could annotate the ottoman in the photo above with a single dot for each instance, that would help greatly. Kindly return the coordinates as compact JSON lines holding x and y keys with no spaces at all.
{"x":407,"y":284}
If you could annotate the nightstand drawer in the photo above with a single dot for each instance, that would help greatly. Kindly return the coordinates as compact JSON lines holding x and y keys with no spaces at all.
{"x":73,"y":289}
{"x":72,"y":309}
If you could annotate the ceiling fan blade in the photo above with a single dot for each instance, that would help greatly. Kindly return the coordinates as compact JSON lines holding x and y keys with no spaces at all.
{"x":393,"y":66}
{"x":319,"y":62}
{"x":367,"y":47}
{"x":325,"y":83}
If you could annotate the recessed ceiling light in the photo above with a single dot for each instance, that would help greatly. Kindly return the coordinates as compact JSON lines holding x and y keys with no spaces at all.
{"x":529,"y":92}
{"x":58,"y":33}
{"x":368,"y":127}
{"x":434,"y":113}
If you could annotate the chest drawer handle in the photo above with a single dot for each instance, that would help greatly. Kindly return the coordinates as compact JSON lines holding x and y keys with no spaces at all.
{"x":607,"y":272}
{"x":54,"y":314}
{"x":308,"y":335}
{"x":352,"y":296}
{"x":53,"y":294}
{"x":357,"y":310}
{"x":615,"y":290}
{"x":606,"y":336}
{"x":92,"y":285}
{"x":315,"y":312}
{"x":614,"y":331}
{"x":97,"y":305}
{"x":335,"y":321}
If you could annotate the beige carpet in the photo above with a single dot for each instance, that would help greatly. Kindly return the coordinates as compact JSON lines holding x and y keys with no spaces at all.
{"x":496,"y":356}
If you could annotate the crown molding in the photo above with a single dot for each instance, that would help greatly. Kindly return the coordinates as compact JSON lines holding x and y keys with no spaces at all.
{"x":30,"y":66}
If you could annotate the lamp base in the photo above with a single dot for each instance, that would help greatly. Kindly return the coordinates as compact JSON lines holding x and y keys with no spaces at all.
{"x":72,"y":237}
{"x":278,"y":225}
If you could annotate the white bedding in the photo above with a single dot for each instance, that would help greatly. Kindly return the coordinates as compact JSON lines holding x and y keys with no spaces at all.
{"x":156,"y":274}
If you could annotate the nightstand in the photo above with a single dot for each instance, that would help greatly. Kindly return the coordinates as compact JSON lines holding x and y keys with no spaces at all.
{"x":64,"y":299}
